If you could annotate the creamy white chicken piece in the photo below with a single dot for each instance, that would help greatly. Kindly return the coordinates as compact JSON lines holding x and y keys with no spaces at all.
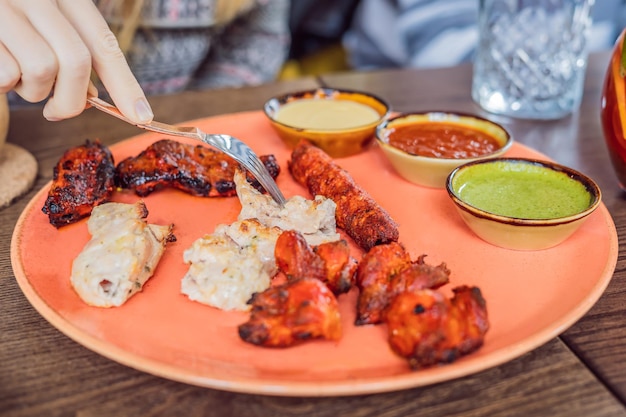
{"x":237,"y":260}
{"x":121,"y":255}
{"x":314,"y":219}
{"x":231,"y":264}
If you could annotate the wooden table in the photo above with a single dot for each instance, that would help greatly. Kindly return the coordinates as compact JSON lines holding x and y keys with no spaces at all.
{"x":580,"y":373}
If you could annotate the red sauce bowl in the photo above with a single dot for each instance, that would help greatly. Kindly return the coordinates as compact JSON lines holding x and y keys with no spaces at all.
{"x":425,"y":147}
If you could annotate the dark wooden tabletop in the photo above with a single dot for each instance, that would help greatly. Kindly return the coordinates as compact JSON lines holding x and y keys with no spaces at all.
{"x":580,"y":373}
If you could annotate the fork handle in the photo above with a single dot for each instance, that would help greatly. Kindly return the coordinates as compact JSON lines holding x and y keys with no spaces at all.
{"x":108,"y":108}
{"x":158,"y":127}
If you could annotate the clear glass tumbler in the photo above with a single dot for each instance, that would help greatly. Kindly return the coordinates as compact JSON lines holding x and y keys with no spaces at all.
{"x":532,"y":56}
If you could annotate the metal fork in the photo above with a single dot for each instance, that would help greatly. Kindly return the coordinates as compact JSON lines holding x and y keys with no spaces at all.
{"x":231,"y":146}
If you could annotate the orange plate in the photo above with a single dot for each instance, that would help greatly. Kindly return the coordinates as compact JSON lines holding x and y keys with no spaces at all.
{"x":531,"y":296}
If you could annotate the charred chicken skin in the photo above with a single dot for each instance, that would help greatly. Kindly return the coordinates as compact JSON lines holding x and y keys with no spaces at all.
{"x":194,"y":169}
{"x":82,"y":179}
{"x":362,"y":218}
{"x":328,"y":262}
{"x":428,"y":329}
{"x":386,"y":271}
{"x":292,"y":313}
{"x":373,"y":277}
{"x":339,"y":266}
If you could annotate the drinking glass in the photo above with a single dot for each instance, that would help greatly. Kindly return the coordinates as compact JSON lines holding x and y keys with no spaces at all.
{"x":532,"y":56}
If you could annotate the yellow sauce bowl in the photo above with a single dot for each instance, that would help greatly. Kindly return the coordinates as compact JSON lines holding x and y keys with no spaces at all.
{"x":338,"y":143}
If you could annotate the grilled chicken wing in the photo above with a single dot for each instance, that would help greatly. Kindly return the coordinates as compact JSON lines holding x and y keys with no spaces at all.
{"x":357,"y":212}
{"x":292,"y":313}
{"x":427,"y":328}
{"x":82,"y":179}
{"x":328,"y":262}
{"x":194,"y":169}
{"x":387,"y":270}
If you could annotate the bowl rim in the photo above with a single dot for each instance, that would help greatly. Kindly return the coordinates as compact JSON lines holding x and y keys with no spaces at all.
{"x":590,"y":185}
{"x":508,"y":143}
{"x":281,"y":99}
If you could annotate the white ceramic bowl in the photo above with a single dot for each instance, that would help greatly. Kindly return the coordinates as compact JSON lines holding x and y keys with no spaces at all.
{"x":522,"y":204}
{"x":432,"y":171}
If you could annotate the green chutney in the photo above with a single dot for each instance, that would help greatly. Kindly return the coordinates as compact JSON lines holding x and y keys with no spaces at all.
{"x":521,"y":190}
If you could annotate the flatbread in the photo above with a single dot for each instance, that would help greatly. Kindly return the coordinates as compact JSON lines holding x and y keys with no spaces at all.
{"x":18,"y":170}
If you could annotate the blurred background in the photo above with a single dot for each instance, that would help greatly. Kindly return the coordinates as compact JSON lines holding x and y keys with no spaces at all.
{"x":338,"y":35}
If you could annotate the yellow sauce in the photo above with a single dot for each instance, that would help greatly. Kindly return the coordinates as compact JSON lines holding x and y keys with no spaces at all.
{"x":326,"y":114}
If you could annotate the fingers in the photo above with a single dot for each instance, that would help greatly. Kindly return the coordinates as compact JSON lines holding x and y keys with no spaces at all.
{"x":9,"y":70}
{"x":25,"y":48}
{"x":51,"y":46}
{"x":72,"y":57}
{"x":107,"y":59}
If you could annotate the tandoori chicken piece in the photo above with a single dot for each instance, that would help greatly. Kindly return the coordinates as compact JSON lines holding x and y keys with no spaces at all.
{"x":328,"y":262}
{"x":373,"y":277}
{"x":339,"y":266}
{"x":419,"y":275}
{"x":195,"y":169}
{"x":82,"y":179}
{"x":292,"y":313}
{"x":385,"y":271}
{"x":295,"y":257}
{"x":428,"y":329}
{"x":362,"y":218}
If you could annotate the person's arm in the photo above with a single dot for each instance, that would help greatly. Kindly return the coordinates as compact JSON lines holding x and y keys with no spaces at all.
{"x":48,"y":49}
{"x":251,"y":50}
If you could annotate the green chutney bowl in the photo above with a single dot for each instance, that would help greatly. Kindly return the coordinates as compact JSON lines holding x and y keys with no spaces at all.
{"x":521,"y":203}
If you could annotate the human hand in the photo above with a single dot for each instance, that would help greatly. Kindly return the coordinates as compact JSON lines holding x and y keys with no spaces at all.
{"x":52,"y":46}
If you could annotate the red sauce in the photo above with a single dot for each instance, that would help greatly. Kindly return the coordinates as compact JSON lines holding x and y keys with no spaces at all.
{"x":442,"y":140}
